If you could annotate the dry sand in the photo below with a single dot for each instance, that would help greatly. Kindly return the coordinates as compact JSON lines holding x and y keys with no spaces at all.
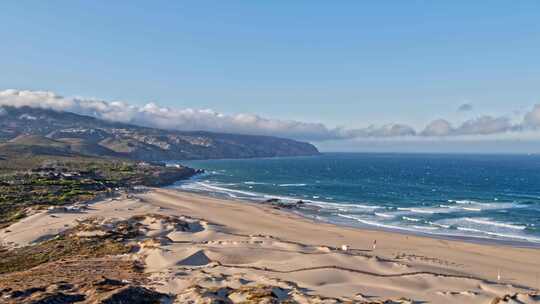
{"x":232,"y":244}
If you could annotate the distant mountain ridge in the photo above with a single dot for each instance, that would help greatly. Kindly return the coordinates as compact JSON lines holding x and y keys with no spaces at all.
{"x":85,"y":135}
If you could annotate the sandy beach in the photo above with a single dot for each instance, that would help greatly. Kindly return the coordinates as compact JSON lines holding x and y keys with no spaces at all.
{"x":231,"y":245}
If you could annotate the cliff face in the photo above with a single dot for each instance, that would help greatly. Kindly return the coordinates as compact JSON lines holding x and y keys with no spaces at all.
{"x":90,"y":136}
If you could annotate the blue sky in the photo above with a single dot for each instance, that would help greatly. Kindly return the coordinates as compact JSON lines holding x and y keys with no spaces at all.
{"x":346,"y":63}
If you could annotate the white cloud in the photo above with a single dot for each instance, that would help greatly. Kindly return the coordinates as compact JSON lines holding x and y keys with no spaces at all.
{"x":181,"y":119}
{"x":388,"y":130}
{"x":42,"y":99}
{"x":532,"y":118}
{"x":153,"y":115}
{"x":485,"y":125}
{"x":439,"y":127}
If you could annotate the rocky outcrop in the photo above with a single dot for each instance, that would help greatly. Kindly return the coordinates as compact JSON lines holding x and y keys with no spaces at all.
{"x":277,"y":203}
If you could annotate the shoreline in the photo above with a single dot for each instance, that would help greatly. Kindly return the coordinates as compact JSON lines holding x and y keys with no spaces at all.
{"x":361,"y":226}
{"x":430,"y":197}
{"x":446,"y":237}
{"x":445,"y":257}
{"x":232,"y":246}
{"x":365,"y":228}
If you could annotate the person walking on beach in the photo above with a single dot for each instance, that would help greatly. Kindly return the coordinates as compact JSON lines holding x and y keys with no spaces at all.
{"x":374,"y":244}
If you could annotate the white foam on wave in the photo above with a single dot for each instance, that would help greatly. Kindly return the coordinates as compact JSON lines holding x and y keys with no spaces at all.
{"x":292,"y":185}
{"x":254,"y":183}
{"x":467,"y":202}
{"x":475,"y":206}
{"x":385,"y":215}
{"x":490,"y":222}
{"x":483,"y":205}
{"x":438,"y":225}
{"x":410,"y":219}
{"x":484,"y":228}
{"x":226,"y":190}
{"x":418,"y":210}
{"x":436,"y":209}
{"x":425,"y":227}
{"x":376,"y":224}
{"x":414,"y":228}
{"x":214,"y":172}
{"x":322,"y":204}
{"x":343,"y":206}
{"x":499,"y":234}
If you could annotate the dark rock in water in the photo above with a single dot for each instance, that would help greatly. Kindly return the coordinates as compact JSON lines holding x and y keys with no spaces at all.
{"x":286,"y":206}
{"x":281,"y":205}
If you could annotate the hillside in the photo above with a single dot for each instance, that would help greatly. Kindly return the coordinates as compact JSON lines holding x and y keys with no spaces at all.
{"x":73,"y":133}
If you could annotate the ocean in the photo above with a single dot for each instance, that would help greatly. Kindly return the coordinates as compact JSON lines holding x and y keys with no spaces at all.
{"x":482,"y":197}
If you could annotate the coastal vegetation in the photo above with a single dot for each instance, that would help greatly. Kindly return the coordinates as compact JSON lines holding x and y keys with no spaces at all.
{"x":66,"y":245}
{"x":82,"y":264}
{"x":35,"y":175}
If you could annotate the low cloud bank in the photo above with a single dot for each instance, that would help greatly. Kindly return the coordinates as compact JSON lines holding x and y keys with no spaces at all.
{"x":532,"y":118}
{"x":483,"y":125}
{"x":153,"y":115}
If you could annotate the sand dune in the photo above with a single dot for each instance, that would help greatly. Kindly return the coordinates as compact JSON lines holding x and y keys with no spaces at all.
{"x":233,"y":250}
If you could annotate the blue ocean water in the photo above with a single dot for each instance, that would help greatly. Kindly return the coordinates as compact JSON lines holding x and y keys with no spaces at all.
{"x":475,"y":196}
